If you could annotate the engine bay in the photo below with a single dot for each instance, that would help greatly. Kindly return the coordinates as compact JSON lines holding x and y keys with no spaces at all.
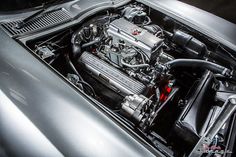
{"x":163,"y":79}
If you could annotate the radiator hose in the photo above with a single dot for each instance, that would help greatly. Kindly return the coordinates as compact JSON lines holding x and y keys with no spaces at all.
{"x":76,"y":47}
{"x":197,"y":63}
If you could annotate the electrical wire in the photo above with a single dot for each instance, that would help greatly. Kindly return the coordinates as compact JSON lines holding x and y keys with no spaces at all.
{"x":51,"y":38}
{"x":88,"y":85}
{"x":81,"y":81}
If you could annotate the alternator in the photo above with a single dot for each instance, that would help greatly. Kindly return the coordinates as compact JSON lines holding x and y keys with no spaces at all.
{"x":136,"y":107}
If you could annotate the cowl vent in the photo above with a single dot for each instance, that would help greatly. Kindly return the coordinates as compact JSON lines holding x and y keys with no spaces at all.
{"x":44,"y":21}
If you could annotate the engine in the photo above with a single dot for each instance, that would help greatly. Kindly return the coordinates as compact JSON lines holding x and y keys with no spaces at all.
{"x":128,"y":60}
{"x":121,"y":53}
{"x":160,"y":79}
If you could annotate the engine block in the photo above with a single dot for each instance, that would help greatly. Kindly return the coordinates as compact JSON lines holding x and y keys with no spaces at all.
{"x":110,"y":76}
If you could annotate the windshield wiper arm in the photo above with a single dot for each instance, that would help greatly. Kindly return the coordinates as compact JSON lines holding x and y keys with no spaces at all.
{"x":45,"y":6}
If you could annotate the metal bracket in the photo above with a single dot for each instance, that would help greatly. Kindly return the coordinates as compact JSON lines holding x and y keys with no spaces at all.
{"x":228,"y":109}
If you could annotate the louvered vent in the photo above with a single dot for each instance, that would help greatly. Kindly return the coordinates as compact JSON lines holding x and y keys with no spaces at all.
{"x":44,"y":21}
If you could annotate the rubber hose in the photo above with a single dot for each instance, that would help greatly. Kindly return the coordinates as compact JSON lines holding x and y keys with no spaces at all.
{"x":197,"y":63}
{"x":76,"y":47}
